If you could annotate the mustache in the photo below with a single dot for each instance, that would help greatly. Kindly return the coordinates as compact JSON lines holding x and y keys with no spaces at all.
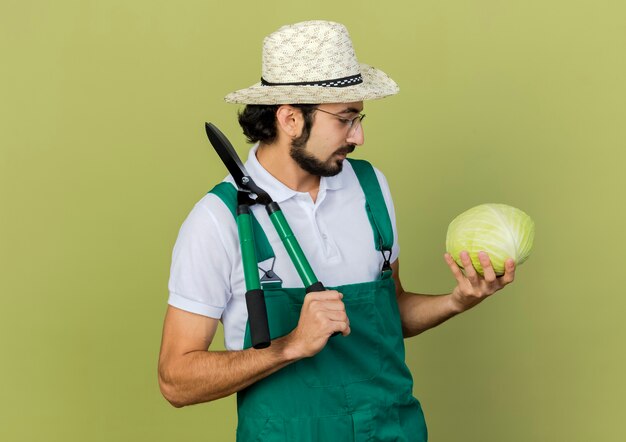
{"x":345,"y":150}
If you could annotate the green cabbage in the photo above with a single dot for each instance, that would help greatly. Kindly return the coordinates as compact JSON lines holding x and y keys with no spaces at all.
{"x":500,"y":230}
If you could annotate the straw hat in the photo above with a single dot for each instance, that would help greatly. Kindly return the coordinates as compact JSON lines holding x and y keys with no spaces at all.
{"x":313,"y":62}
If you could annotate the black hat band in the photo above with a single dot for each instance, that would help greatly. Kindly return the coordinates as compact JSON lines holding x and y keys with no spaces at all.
{"x":339,"y":82}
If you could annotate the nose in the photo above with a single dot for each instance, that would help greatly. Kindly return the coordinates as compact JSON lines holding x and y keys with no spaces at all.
{"x":356,"y":136}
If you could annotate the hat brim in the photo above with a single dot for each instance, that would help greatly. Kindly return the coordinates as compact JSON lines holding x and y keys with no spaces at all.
{"x":376,"y":84}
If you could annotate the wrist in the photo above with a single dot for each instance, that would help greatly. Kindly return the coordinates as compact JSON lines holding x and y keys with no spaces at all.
{"x":289,"y":350}
{"x":455,"y":304}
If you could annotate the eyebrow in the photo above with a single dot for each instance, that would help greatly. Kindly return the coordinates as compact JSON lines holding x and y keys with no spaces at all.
{"x":350,"y":110}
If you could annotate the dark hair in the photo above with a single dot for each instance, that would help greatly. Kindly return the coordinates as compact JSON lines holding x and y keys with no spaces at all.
{"x":258,"y":121}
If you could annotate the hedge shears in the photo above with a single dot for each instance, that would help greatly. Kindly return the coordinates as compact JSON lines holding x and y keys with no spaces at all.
{"x":248,"y":194}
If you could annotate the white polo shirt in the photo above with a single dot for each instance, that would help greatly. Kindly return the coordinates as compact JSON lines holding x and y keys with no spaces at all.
{"x":334,"y":232}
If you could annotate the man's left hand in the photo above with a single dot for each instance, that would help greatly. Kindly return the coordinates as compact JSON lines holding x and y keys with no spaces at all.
{"x":472,"y":288}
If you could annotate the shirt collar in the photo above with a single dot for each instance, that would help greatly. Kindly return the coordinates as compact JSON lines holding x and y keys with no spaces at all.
{"x":275,"y":188}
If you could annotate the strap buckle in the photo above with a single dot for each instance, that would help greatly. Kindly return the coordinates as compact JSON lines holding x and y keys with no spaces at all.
{"x":386,"y":263}
{"x":269,"y":278}
{"x":386,"y":257}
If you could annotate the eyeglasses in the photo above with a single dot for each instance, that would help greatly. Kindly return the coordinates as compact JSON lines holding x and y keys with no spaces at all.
{"x":352,"y":123}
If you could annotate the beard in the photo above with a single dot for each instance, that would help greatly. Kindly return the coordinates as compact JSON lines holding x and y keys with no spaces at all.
{"x":314,"y":166}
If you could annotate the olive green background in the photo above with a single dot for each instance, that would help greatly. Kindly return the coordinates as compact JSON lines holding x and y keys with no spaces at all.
{"x":103,"y":154}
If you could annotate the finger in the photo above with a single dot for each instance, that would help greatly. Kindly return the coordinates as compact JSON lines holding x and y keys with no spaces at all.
{"x":485,"y":262}
{"x":342,"y":327}
{"x":454,"y":268}
{"x":332,"y":323}
{"x":337,"y":316}
{"x":327,"y":295}
{"x":339,"y":323}
{"x":470,"y":271}
{"x":346,"y":331}
{"x":509,"y":272}
{"x":325,"y":304}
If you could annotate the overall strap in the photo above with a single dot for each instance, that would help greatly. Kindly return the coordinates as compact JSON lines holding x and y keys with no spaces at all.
{"x":228,"y":194}
{"x":376,"y":208}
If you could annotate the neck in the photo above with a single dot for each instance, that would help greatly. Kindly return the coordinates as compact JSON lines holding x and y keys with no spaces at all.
{"x":276,"y":160}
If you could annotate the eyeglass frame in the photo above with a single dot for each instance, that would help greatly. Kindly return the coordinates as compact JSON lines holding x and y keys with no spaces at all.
{"x":350,"y":122}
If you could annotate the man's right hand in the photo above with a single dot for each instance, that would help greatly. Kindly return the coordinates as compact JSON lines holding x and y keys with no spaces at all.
{"x":189,"y":374}
{"x":322,"y":314}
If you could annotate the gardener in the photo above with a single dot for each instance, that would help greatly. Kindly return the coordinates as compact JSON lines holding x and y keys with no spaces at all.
{"x":308,"y":384}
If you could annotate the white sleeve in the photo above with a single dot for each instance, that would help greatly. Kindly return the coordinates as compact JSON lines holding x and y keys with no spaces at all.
{"x":201,"y":261}
{"x":384,"y":186}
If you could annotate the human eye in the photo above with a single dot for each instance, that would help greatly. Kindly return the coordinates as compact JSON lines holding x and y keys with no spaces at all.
{"x":347,"y":120}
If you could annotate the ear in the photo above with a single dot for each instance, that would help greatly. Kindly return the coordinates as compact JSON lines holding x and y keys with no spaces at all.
{"x":289,"y":121}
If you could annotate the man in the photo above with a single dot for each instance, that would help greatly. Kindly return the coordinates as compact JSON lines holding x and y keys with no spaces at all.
{"x":308,"y":384}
